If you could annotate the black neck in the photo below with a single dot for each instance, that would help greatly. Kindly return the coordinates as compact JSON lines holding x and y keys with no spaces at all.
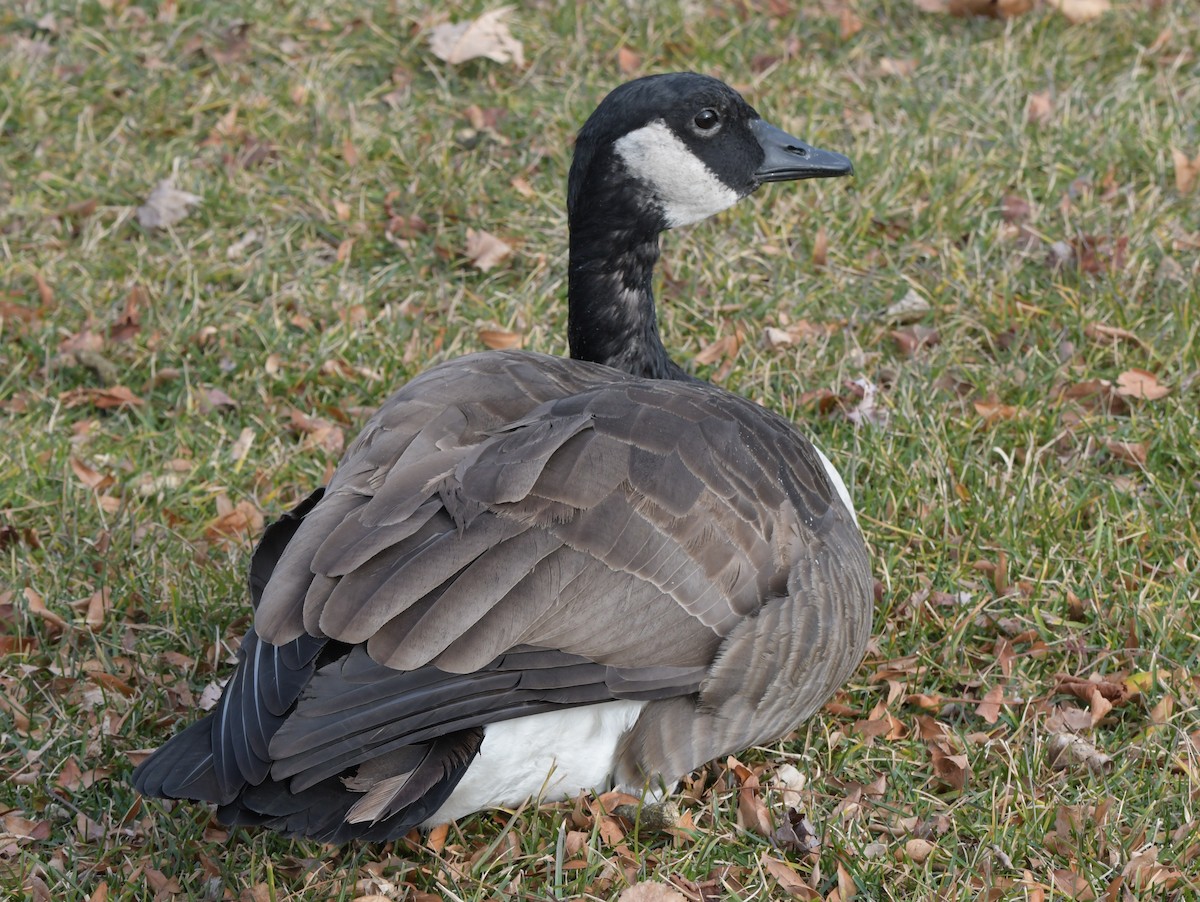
{"x":612,"y":319}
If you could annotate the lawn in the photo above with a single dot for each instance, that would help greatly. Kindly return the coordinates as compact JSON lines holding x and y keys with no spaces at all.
{"x":993,"y":329}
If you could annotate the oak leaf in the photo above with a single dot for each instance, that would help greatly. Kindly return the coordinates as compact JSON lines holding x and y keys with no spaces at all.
{"x":488,"y":37}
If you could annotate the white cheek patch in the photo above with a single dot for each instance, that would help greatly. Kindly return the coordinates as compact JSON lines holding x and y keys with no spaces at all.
{"x":688,"y":190}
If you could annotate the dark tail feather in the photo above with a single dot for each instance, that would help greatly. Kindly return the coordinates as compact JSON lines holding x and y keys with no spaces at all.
{"x":183,"y":768}
{"x":320,"y":811}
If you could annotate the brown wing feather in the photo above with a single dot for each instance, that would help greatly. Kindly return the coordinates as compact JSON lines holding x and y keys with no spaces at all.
{"x":510,"y":500}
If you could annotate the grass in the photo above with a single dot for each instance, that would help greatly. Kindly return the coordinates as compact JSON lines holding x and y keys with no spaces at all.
{"x":1011,"y":548}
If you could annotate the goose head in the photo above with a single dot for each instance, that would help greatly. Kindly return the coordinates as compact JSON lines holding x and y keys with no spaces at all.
{"x":670,"y":150}
{"x":659,"y":152}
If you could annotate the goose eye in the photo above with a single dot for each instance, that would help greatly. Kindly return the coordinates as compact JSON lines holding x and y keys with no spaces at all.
{"x":707,"y":120}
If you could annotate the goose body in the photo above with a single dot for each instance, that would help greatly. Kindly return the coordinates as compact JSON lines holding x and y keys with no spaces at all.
{"x":535,"y":576}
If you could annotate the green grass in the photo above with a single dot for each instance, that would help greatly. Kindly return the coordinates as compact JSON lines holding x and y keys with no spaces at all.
{"x":248,"y":295}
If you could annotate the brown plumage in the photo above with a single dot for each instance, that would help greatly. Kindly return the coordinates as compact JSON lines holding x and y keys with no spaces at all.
{"x":515,"y":535}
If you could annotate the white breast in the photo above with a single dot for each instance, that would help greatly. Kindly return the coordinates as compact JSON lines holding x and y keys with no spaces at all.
{"x":550,"y":756}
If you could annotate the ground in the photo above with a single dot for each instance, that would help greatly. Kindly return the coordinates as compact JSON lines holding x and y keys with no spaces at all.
{"x":992,"y":330}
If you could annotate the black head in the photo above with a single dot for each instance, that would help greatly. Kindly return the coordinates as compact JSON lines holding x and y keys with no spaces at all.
{"x":687,"y":146}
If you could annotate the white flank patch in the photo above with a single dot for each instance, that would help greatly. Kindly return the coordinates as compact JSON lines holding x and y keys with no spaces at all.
{"x":836,"y":478}
{"x":688,"y":190}
{"x":555,"y":755}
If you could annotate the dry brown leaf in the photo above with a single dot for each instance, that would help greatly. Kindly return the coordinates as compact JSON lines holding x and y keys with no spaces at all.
{"x":1067,"y":749}
{"x":93,"y":479}
{"x":129,"y":324}
{"x":318,"y":432}
{"x":992,"y":411}
{"x":628,"y":61}
{"x":1077,"y":12}
{"x":23,"y":828}
{"x":487,"y":36}
{"x":989,"y":707}
{"x":789,"y":881}
{"x":37,"y":607}
{"x":1141,"y":384}
{"x":951,"y":769}
{"x":1102,"y":332}
{"x":45,"y":292}
{"x":724,"y":347}
{"x":485,"y":250}
{"x":1127,"y":452}
{"x":996,"y":9}
{"x":909,"y":309}
{"x":110,"y":398}
{"x":95,"y":607}
{"x":916,"y":850}
{"x":849,"y":24}
{"x":234,"y":521}
{"x":897,"y":68}
{"x":752,"y":813}
{"x":500,"y":339}
{"x":1187,"y":171}
{"x":820,"y":252}
{"x":166,"y":206}
{"x":1040,"y":108}
{"x":1073,"y":885}
{"x":436,"y":841}
{"x":651,"y":891}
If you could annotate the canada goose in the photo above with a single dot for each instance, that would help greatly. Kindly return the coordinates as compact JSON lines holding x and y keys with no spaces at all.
{"x":537,"y":576}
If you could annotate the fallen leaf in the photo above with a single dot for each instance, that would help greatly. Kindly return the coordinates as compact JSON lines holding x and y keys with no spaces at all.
{"x":909,"y":309}
{"x":868,"y":410}
{"x":996,"y":9}
{"x":651,"y":891}
{"x":752,"y":813}
{"x":916,"y":850}
{"x":951,"y":769}
{"x":102,"y":398}
{"x":93,"y":479}
{"x":37,"y":607}
{"x":820,"y":252}
{"x":318,"y":432}
{"x":241,"y":521}
{"x":166,"y":206}
{"x":1066,"y":749}
{"x":488,"y":36}
{"x":628,"y":61}
{"x":485,"y":250}
{"x":1127,"y":452}
{"x":993,"y":411}
{"x":796,"y":834}
{"x":211,"y":694}
{"x":789,"y":881}
{"x":214,"y":399}
{"x":724,"y":347}
{"x":1186,"y":170}
{"x":500,"y":339}
{"x":1102,"y":332}
{"x":1040,"y":107}
{"x":1073,"y":885}
{"x":1141,"y":384}
{"x":1078,"y":12}
{"x":989,"y":706}
{"x":897,"y":68}
{"x":849,"y":24}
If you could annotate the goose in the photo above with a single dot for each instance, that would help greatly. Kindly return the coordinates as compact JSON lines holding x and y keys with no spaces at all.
{"x":533,"y":576}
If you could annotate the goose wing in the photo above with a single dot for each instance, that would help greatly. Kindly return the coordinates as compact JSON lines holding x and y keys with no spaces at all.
{"x":514,"y":533}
